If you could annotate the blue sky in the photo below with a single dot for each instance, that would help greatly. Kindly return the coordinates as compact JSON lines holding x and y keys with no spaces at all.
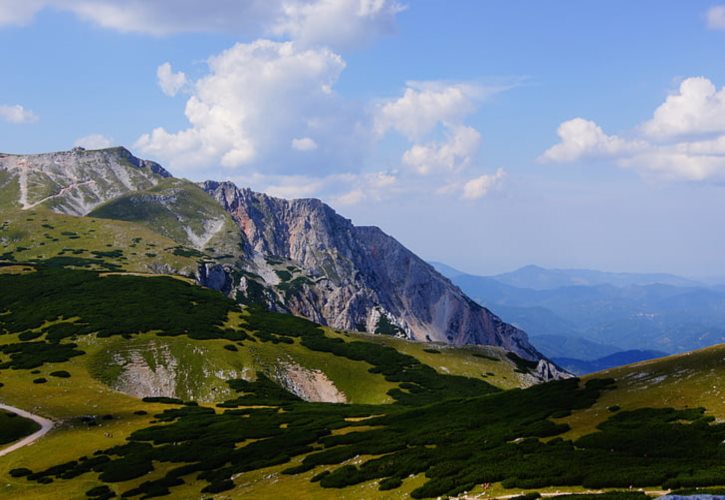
{"x":485,"y":134}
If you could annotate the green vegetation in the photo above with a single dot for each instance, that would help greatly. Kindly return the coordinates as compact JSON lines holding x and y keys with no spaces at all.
{"x":385,"y":327}
{"x":443,"y":430}
{"x":48,"y":235}
{"x":181,"y":211}
{"x":14,"y":427}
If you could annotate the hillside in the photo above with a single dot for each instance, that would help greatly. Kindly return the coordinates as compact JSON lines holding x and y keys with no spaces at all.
{"x":297,"y":256}
{"x":620,"y":358}
{"x":164,"y":387}
{"x":77,"y":346}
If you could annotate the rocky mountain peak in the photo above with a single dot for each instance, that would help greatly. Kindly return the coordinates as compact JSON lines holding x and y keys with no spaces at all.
{"x":76,"y":181}
{"x":359,"y":277}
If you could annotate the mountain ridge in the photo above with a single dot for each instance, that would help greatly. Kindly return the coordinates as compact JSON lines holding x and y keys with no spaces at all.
{"x":296,"y":256}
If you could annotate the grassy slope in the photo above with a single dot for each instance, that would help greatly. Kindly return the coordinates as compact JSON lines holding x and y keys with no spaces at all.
{"x":40,"y":234}
{"x":694,"y":379}
{"x":172,"y":208}
{"x":9,"y":191}
{"x":66,"y":400}
{"x":681,"y":381}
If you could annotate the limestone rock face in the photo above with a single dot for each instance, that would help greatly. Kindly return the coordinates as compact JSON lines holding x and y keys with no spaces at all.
{"x":75,"y":182}
{"x":357,"y":277}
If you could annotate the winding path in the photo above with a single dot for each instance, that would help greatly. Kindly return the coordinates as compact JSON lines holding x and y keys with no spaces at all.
{"x":45,"y":426}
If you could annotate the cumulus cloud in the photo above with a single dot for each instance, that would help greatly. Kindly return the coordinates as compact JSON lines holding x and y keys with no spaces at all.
{"x":424,"y":105}
{"x":17,"y":114}
{"x":453,"y":154}
{"x":94,"y":141}
{"x":256,"y":98}
{"x":169,"y":82}
{"x":336,"y":23}
{"x":582,"y":138}
{"x":716,"y":17}
{"x":304,"y":144}
{"x":432,"y":115}
{"x":479,"y":187}
{"x":685,"y":138}
{"x":696,"y":108}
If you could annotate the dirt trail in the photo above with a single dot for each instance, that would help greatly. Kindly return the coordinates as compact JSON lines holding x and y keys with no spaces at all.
{"x":45,"y":426}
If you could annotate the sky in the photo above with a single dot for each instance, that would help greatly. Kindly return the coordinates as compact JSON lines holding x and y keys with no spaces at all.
{"x":486,"y":134}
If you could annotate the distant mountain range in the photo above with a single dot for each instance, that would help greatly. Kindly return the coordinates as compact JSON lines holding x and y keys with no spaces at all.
{"x":539,"y":278}
{"x":586,"y":315}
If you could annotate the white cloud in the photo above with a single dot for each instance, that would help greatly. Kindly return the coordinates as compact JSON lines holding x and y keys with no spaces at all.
{"x":254,"y":99}
{"x":339,"y":189}
{"x":336,"y":23}
{"x":17,"y":114}
{"x":479,"y":187}
{"x":431,"y":115}
{"x":582,"y":138}
{"x":19,"y":12}
{"x":353,"y":197}
{"x":697,"y":108}
{"x":171,"y":83}
{"x":685,"y":138}
{"x":304,"y":144}
{"x":94,"y":141}
{"x":424,"y":105}
{"x":367,"y":187}
{"x":716,"y":17}
{"x":453,"y":154}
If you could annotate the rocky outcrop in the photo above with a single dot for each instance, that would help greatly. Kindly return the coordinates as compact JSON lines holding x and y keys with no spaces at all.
{"x":309,"y":385}
{"x":356,"y":277}
{"x":75,"y":182}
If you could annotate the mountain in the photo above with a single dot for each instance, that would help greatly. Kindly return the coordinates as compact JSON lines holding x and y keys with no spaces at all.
{"x":446,"y":270}
{"x":660,"y":317}
{"x":572,"y":347}
{"x":356,"y":277}
{"x":295,"y":256}
{"x":539,"y":278}
{"x":581,"y":367}
{"x":73,"y":182}
{"x":121,"y":376}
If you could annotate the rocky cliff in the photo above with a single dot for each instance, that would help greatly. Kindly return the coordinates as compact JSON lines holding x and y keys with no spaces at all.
{"x":356,"y":277}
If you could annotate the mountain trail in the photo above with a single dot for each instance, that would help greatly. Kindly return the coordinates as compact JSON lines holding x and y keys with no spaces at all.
{"x":62,"y":191}
{"x":45,"y":426}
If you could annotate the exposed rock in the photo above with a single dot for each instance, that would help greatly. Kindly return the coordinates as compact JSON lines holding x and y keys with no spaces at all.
{"x":546,"y":371}
{"x":140,"y":379}
{"x":358,"y":275}
{"x":310,"y":385}
{"x":75,"y":182}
